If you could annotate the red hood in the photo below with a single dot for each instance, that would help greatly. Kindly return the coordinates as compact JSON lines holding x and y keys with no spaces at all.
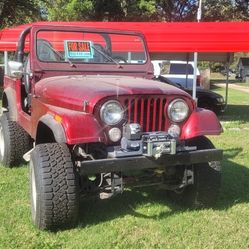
{"x":71,"y":91}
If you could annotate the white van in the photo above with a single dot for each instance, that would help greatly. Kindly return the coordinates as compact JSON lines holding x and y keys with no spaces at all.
{"x":179,"y":72}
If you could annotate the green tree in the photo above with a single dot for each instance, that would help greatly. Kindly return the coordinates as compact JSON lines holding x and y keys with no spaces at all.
{"x":225,"y":10}
{"x":122,"y":10}
{"x":107,"y":10}
{"x":74,"y":10}
{"x":212,"y":10}
{"x":18,"y":12}
{"x":147,"y":10}
{"x":99,"y":10}
{"x":242,"y":9}
{"x":217,"y":10}
{"x":180,"y":10}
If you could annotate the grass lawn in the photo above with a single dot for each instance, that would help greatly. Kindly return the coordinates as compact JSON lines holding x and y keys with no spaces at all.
{"x":145,"y":218}
{"x":217,"y":78}
{"x":244,"y":84}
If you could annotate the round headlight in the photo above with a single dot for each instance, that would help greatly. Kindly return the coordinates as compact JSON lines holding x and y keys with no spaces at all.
{"x":111,"y":112}
{"x":178,"y":110}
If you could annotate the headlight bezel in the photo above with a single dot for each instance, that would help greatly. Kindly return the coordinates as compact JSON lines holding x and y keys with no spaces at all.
{"x":103,"y":107}
{"x":169,"y":110}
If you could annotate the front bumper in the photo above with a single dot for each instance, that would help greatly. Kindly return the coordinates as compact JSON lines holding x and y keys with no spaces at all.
{"x":123,"y":164}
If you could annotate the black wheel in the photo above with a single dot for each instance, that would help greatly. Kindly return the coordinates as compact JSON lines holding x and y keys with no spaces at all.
{"x":14,"y":142}
{"x":207,"y":181}
{"x":54,"y":187}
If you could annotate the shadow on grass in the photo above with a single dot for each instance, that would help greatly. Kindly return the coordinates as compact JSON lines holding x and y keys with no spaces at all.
{"x":235,"y":181}
{"x":234,"y":190}
{"x":223,"y":81}
{"x":215,"y":87}
{"x":97,"y":211}
{"x":235,"y":112}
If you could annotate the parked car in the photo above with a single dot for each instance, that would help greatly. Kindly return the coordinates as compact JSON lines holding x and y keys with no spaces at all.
{"x":206,"y":99}
{"x":87,"y":121}
{"x":179,"y":72}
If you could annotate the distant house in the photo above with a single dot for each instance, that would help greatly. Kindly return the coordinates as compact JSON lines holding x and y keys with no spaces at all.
{"x":243,"y":68}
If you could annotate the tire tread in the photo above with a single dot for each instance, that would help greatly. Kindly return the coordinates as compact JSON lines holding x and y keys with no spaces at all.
{"x":59,"y":187}
{"x":18,"y":142}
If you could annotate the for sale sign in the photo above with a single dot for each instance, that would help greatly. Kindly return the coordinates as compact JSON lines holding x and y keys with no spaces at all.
{"x":78,"y":49}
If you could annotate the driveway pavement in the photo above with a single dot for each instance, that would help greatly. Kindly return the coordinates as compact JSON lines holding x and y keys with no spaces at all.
{"x":234,"y":86}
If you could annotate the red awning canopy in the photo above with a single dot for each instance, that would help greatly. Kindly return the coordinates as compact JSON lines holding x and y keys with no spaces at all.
{"x":213,"y":40}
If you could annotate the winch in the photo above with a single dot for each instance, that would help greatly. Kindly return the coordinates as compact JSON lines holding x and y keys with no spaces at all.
{"x":151,"y":144}
{"x":158,"y":143}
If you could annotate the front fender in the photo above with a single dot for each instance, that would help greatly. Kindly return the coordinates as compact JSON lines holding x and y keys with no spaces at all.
{"x":201,"y":123}
{"x":55,"y":127}
{"x":78,"y":127}
{"x":83,"y":128}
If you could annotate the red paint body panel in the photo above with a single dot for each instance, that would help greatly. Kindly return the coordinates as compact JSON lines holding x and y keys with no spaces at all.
{"x":70,"y":91}
{"x":79,"y":127}
{"x":13,"y":87}
{"x":201,"y":122}
{"x":161,"y":36}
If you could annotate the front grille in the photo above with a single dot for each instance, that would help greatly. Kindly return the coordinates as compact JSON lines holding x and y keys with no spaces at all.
{"x":149,"y":112}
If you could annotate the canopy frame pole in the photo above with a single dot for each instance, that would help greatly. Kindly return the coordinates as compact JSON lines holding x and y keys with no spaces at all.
{"x":195,"y":76}
{"x":5,"y":62}
{"x":187,"y":74}
{"x":227,"y":78}
{"x":199,"y":14}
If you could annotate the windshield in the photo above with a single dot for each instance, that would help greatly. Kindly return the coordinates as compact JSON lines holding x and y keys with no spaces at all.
{"x":88,"y":47}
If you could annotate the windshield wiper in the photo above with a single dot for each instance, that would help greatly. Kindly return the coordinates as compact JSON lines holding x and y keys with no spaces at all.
{"x":55,"y":51}
{"x":107,"y":56}
{"x":60,"y":55}
{"x":70,"y":63}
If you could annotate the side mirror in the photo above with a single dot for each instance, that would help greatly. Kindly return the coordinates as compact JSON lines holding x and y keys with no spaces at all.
{"x":15,"y":69}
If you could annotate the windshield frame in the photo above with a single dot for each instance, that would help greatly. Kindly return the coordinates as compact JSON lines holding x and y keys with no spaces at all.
{"x":102,"y":32}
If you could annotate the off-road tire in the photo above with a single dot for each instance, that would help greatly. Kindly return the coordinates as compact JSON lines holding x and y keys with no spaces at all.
{"x":54,"y":187}
{"x":14,"y":142}
{"x":207,"y":181}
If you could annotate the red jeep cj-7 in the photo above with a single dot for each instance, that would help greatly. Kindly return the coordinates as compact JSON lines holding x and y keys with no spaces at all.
{"x":81,"y":105}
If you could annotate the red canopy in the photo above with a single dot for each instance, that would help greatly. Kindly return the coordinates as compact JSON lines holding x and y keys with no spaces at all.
{"x":165,"y":39}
